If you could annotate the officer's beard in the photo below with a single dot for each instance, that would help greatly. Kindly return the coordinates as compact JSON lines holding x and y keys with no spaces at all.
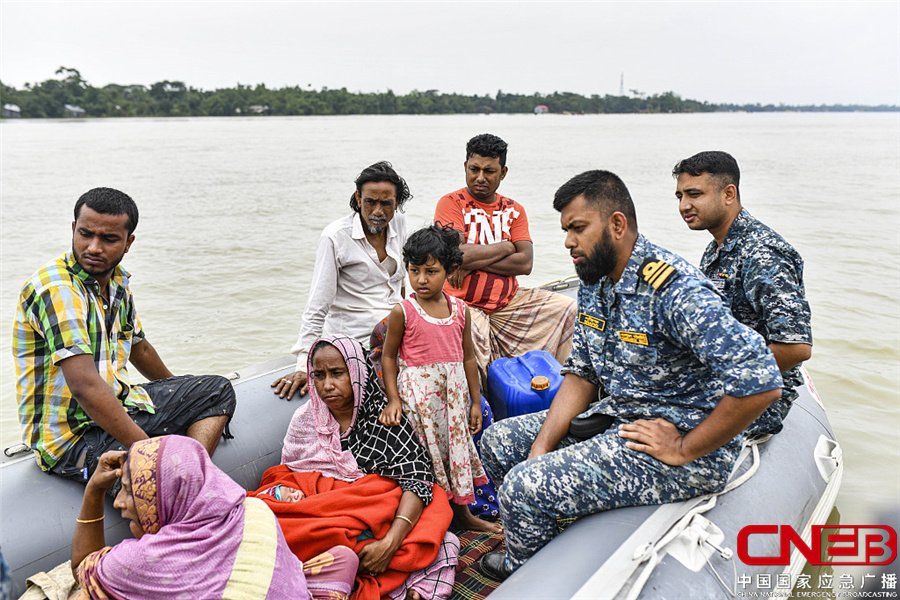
{"x":600,"y":262}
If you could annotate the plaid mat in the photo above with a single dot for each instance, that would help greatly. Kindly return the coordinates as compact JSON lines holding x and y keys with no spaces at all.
{"x":470,"y":584}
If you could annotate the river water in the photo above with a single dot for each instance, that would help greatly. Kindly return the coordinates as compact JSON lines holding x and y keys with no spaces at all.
{"x":231,"y":209}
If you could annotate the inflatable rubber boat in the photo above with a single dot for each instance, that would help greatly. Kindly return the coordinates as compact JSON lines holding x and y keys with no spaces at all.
{"x":680,"y":550}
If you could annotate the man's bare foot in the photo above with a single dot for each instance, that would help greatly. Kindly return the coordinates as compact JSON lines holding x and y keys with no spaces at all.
{"x":464,"y":519}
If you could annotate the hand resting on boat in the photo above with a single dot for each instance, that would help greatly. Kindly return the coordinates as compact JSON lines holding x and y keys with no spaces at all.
{"x":286,"y":386}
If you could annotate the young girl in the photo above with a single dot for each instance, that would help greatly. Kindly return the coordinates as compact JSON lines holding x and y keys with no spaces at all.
{"x":438,"y":389}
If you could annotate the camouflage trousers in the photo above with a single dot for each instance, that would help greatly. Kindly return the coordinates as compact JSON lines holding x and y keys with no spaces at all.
{"x":581,"y":478}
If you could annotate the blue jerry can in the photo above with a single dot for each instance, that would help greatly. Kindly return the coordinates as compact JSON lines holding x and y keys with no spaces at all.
{"x":522,"y":385}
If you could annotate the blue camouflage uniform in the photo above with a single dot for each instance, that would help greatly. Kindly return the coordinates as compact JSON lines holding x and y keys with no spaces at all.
{"x":761,"y":277}
{"x":662,"y":344}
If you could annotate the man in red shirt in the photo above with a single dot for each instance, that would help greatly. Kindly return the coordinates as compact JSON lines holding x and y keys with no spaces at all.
{"x":506,"y":320}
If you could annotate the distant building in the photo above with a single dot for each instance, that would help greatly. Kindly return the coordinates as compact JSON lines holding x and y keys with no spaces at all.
{"x":73,"y":111}
{"x":11,"y":111}
{"x":541,"y":109}
{"x":259,"y":109}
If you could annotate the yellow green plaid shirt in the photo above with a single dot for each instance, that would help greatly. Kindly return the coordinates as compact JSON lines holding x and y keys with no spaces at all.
{"x":61,"y":314}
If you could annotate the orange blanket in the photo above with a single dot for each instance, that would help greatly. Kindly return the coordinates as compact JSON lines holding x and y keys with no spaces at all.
{"x":336,"y":512}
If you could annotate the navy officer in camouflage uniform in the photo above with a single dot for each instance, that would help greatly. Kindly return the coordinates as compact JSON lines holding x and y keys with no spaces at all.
{"x":758,"y":272}
{"x":683,"y":377}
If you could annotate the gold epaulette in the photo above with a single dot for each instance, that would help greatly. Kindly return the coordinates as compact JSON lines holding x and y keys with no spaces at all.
{"x":657,"y":273}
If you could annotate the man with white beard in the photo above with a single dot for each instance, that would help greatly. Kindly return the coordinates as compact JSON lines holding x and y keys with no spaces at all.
{"x":359,"y":274}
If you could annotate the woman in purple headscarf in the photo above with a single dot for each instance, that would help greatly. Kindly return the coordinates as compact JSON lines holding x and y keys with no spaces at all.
{"x":197,"y":534}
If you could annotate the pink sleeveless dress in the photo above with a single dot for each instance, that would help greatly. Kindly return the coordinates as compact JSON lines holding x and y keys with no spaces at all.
{"x":435,"y":396}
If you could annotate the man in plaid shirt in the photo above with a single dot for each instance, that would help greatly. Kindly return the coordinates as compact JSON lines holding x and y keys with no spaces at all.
{"x":76,"y":329}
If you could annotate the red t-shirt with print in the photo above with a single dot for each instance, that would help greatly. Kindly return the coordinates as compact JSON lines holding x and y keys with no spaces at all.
{"x":504,"y":219}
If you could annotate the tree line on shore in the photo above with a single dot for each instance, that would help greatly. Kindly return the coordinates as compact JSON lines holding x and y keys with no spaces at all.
{"x":56,"y":98}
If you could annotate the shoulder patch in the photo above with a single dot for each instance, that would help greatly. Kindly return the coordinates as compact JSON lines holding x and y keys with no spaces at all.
{"x":657,"y":273}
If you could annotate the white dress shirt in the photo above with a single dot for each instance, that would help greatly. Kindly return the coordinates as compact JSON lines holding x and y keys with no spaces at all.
{"x":351,"y":291}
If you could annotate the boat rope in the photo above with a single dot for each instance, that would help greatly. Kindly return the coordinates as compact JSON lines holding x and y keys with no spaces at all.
{"x":748,"y":449}
{"x":633,"y":571}
{"x":655,"y":553}
{"x":733,"y":590}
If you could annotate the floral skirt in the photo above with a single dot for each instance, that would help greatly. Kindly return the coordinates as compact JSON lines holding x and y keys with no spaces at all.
{"x":436,"y":401}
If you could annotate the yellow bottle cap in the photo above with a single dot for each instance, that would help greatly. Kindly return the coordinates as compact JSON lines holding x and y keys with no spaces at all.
{"x":540,"y":383}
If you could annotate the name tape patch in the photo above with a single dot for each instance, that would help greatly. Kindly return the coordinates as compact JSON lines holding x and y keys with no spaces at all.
{"x":592,"y":322}
{"x":634,"y":338}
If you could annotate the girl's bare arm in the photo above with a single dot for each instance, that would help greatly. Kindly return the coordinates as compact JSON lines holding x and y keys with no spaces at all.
{"x":471,"y":369}
{"x":395,"y":328}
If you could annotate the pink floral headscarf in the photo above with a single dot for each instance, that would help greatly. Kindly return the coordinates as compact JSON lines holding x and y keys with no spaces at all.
{"x":313,"y":439}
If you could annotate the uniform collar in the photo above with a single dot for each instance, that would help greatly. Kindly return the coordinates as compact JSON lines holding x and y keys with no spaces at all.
{"x":358,"y":233}
{"x":628,"y":283}
{"x":738,"y":227}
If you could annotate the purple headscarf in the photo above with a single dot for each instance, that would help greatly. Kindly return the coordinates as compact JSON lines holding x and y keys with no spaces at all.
{"x":194,"y":518}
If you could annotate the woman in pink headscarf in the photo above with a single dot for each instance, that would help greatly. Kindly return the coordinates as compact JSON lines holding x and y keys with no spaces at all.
{"x":197,"y":534}
{"x":364,"y":484}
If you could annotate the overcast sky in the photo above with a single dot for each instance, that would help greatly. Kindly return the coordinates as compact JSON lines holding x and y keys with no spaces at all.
{"x":741,"y":52}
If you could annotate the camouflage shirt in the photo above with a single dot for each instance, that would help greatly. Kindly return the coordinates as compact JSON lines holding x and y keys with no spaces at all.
{"x":662,"y":343}
{"x":761,"y":277}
